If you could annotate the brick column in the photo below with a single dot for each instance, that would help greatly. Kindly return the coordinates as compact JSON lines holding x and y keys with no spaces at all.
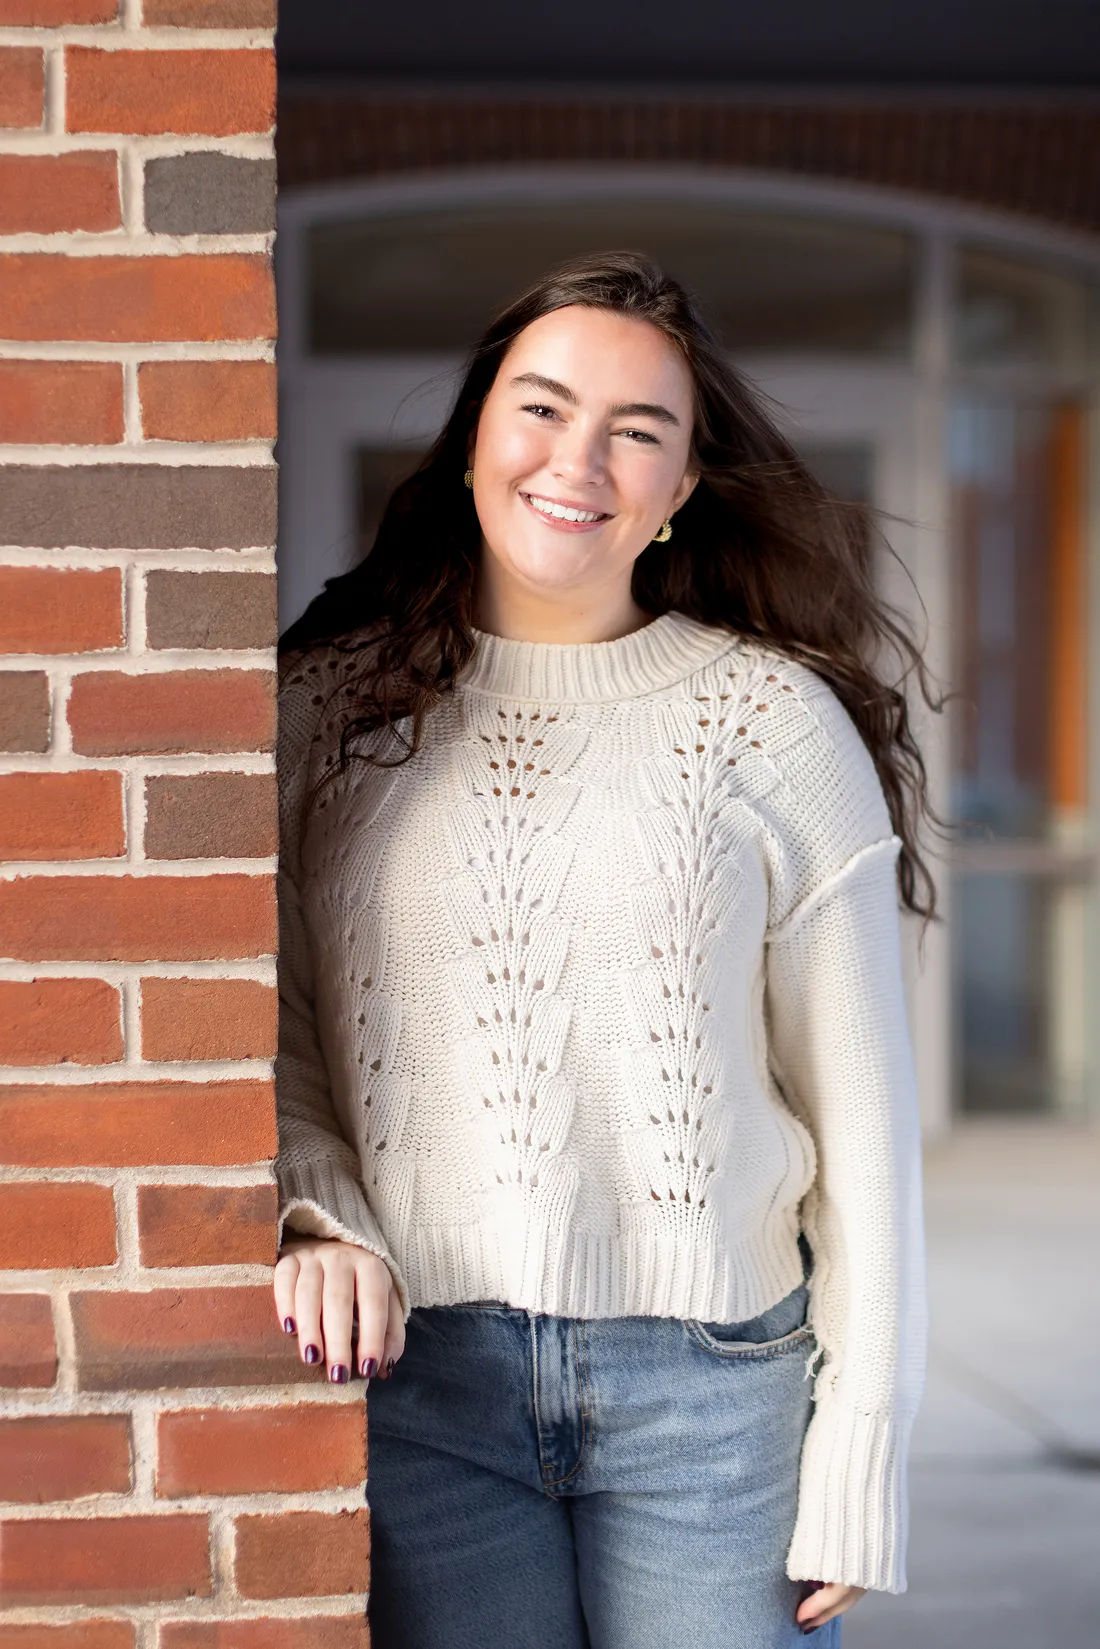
{"x":173,"y":1477}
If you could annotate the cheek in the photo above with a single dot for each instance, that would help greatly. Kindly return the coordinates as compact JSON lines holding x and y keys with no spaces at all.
{"x":517,"y":449}
{"x":645,"y":479}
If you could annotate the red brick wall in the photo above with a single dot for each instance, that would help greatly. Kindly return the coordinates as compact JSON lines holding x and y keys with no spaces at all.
{"x":1036,"y":157}
{"x":172,"y":1476}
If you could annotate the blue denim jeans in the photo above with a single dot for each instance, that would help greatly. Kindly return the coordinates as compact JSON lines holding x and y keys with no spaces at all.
{"x":600,"y":1483}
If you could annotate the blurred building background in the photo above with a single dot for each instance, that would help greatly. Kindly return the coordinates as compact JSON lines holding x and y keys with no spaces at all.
{"x":892,"y":215}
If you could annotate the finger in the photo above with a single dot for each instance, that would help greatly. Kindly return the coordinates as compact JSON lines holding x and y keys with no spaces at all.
{"x":826,"y":1603}
{"x":285,"y":1281}
{"x":395,"y":1334}
{"x":337,"y":1299}
{"x":372,"y":1289}
{"x":307,"y":1299}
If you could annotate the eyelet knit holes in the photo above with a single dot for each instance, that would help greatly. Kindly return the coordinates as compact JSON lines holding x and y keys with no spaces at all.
{"x":520,"y":946}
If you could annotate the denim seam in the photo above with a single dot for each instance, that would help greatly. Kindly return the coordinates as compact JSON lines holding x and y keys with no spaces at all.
{"x":582,"y":1387}
{"x":735,"y":1352}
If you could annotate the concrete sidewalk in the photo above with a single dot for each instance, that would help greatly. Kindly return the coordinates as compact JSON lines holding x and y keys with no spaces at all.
{"x":1005,"y":1544}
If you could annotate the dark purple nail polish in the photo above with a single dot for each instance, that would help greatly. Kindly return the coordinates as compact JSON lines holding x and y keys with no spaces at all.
{"x":289,"y":1326}
{"x":369,"y":1367}
{"x":389,"y":1367}
{"x":338,"y":1374}
{"x":312,"y":1354}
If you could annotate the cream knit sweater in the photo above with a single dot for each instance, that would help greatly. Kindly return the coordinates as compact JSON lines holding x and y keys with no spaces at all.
{"x":593,"y":1002}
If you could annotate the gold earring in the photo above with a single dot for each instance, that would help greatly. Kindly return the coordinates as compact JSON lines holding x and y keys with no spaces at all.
{"x":469,"y":478}
{"x":664,"y":535}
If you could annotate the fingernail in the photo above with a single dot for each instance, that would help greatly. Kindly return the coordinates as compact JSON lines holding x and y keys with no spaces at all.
{"x":369,"y":1367}
{"x":338,"y":1374}
{"x":312,"y":1355}
{"x":389,"y":1367}
{"x":289,"y":1326}
{"x":806,"y":1630}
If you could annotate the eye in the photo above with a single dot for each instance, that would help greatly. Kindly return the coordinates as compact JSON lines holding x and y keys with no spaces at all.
{"x":540,"y":411}
{"x":642,"y":436}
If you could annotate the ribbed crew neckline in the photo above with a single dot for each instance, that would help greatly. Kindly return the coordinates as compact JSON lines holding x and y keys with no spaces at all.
{"x":664,"y":651}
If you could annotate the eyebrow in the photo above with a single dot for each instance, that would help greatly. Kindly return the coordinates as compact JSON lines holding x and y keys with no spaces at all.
{"x":626,"y":409}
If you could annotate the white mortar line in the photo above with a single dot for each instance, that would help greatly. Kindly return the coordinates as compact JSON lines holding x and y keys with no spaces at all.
{"x":136,"y":1070}
{"x":145,"y":766}
{"x":61,"y":743}
{"x":109,"y":37}
{"x":55,"y":90}
{"x":130,"y":992}
{"x":134,"y":242}
{"x":258,"y":970}
{"x":229,"y":349}
{"x":160,"y":661}
{"x":249,"y":561}
{"x":132,"y":192}
{"x":173,"y":454}
{"x":248,"y":145}
{"x":132,"y":431}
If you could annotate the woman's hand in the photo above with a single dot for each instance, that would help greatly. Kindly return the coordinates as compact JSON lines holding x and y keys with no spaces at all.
{"x":825,"y":1602}
{"x":317,"y":1282}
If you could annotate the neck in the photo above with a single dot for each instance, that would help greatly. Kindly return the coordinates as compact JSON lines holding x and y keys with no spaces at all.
{"x":503,"y":607}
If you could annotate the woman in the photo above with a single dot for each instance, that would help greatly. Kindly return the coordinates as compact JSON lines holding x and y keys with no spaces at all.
{"x":595,"y":1089}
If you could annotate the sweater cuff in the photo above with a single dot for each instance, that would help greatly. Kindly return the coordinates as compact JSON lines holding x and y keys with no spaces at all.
{"x":318,"y":1199}
{"x":852,"y":1520}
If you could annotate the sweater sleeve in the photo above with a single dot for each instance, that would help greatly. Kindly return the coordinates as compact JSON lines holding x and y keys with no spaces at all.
{"x":317,"y":1170}
{"x":840,"y":1051}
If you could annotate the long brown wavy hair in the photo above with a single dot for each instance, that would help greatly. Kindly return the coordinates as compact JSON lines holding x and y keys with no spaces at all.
{"x":760,"y":547}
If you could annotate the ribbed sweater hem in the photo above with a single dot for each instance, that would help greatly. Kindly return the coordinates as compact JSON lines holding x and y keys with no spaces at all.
{"x":534,"y":1265}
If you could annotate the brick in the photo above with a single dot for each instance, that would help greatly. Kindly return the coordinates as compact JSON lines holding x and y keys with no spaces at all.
{"x":261,"y":1451}
{"x":81,"y":1634}
{"x":28,"y":1352}
{"x":186,"y":609}
{"x":172,"y":712}
{"x":67,"y":402}
{"x":138,"y":506}
{"x":210,"y":815}
{"x":22,"y":86}
{"x":60,"y":610}
{"x":24,"y":710}
{"x":59,"y":1021}
{"x":45,"y":194}
{"x":116,"y":299}
{"x":212,"y":93}
{"x":312,"y":1632}
{"x":49,"y":14}
{"x":61,"y":816}
{"x":207,"y":1224}
{"x":207,"y":193}
{"x":137,"y":919}
{"x":208,"y":400}
{"x":303,"y":1554}
{"x":136,"y":1124}
{"x":211,"y":14}
{"x":52,"y":1457}
{"x":183,"y":1337}
{"x":56,"y":1224}
{"x":104,"y":1560}
{"x":208,"y":1019}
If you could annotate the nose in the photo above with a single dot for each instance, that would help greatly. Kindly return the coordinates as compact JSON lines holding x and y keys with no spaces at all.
{"x":579,"y":457}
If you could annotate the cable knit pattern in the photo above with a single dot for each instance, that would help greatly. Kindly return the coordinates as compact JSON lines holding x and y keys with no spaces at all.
{"x":597,"y":1001}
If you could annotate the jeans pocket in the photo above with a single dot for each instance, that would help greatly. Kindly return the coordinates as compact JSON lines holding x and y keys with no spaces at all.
{"x":776,"y":1332}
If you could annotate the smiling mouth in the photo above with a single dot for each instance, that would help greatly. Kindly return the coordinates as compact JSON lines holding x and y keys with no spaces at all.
{"x":564,"y":512}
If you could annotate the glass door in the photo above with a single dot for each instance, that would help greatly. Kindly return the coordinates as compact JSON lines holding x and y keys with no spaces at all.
{"x":1023,"y":868}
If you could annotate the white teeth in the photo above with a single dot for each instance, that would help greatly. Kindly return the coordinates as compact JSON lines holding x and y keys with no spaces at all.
{"x":561,"y":512}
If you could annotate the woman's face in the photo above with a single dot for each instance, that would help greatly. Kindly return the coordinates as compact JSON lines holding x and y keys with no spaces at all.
{"x":581,"y":449}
